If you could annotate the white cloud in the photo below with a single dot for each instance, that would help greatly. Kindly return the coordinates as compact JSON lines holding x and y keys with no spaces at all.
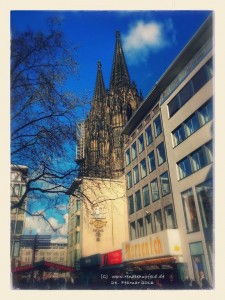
{"x":40,"y":226}
{"x":145,"y":37}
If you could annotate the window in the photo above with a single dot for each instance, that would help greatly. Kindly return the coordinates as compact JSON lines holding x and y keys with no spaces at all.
{"x":148,"y":135}
{"x":191,"y":88}
{"x":143,"y":168}
{"x":19,"y":227}
{"x":209,"y":152}
{"x":13,"y":224}
{"x":151,"y":160}
{"x":198,"y":159}
{"x":77,"y":205}
{"x":157,"y":126}
{"x":16,"y":190}
{"x":134,"y":151}
{"x":131,"y":204}
{"x":23,"y":189}
{"x":190,"y":213}
{"x":77,"y":220}
{"x":132,"y":231}
{"x":184,"y":167}
{"x":165,"y":184}
{"x":77,"y":237}
{"x":158,"y":221}
{"x":129,"y":180}
{"x":138,"y":200}
{"x":170,"y":219}
{"x":141,"y":145}
{"x":161,"y":154}
{"x":205,"y":199}
{"x":140,"y":227}
{"x":128,"y":158}
{"x":136,"y":174}
{"x":148,"y":224}
{"x":206,"y":113}
{"x":154,"y":190}
{"x":198,"y":259}
{"x":191,"y":125}
{"x":178,"y":135}
{"x":146,"y":197}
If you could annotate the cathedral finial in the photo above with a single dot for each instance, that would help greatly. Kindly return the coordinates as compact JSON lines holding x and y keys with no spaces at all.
{"x":99,"y":65}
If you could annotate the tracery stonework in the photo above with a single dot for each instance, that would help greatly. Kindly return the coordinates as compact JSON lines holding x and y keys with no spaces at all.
{"x":103,"y":152}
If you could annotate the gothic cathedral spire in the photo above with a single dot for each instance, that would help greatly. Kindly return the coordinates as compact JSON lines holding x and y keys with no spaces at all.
{"x":100,"y":90}
{"x":119,"y":76}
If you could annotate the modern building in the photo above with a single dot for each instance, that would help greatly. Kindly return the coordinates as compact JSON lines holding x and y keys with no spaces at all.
{"x":18,"y":215}
{"x":168,"y":166}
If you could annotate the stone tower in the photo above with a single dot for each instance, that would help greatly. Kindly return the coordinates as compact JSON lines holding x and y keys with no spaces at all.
{"x":104,"y":157}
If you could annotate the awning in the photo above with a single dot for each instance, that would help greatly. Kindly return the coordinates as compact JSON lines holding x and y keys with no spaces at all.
{"x":154,"y":261}
{"x":43,"y":266}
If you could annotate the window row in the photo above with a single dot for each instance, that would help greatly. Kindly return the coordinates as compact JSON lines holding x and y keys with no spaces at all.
{"x":153,"y":223}
{"x":191,"y":88}
{"x":16,"y":227}
{"x":140,"y":170}
{"x":139,"y":146}
{"x":202,"y":116}
{"x":142,"y":197}
{"x":204,"y":194}
{"x":195,"y":160}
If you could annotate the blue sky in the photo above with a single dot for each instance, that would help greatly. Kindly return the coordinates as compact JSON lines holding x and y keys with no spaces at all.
{"x":151,"y":41}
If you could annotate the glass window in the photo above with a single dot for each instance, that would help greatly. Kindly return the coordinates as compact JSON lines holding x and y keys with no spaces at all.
{"x":178,"y":135}
{"x":16,"y":190}
{"x":23,"y":189}
{"x":146,"y":196}
{"x":206,"y":113}
{"x":186,"y":93}
{"x":128,"y":158}
{"x":148,"y":135}
{"x":170,"y":219}
{"x":77,"y":220}
{"x":77,"y":205}
{"x":132,"y":231}
{"x":19,"y":227}
{"x":161,"y":154}
{"x":174,"y":105}
{"x":191,"y":125}
{"x":154,"y":190}
{"x":151,"y":160}
{"x":209,"y":152}
{"x":198,"y":259}
{"x":165,"y":184}
{"x":184,"y":167}
{"x":77,"y":237}
{"x":138,"y":200}
{"x":129,"y":180}
{"x":148,"y":224}
{"x":190,"y":213}
{"x":141,"y":145}
{"x":134,"y":151}
{"x":157,"y":126}
{"x":131,"y":204}
{"x":200,"y":79}
{"x":158,"y":221}
{"x":136,"y":174}
{"x":198,"y":159}
{"x":140,"y":227}
{"x":205,"y":199}
{"x":143,"y":168}
{"x":13,"y":224}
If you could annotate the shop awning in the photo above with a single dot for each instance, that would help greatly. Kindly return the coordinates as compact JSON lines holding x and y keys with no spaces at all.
{"x":43,"y":266}
{"x":154,"y":261}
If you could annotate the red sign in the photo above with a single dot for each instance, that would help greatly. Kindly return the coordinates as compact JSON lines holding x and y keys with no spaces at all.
{"x":112,"y":258}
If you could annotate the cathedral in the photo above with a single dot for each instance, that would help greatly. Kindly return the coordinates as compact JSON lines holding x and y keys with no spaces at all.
{"x":111,"y":109}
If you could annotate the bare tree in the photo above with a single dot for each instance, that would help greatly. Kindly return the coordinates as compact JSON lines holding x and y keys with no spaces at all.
{"x":43,"y":115}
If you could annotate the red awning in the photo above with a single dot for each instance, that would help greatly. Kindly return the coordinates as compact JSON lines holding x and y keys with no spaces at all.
{"x":44,"y":266}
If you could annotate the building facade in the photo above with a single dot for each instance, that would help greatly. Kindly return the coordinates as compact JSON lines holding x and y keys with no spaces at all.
{"x":110,"y":111}
{"x":169,"y":170}
{"x":18,"y":215}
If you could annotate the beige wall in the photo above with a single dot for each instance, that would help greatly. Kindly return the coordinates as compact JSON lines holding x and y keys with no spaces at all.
{"x":110,"y":218}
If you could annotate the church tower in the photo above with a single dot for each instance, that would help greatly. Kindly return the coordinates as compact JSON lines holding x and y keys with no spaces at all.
{"x":104,"y":142}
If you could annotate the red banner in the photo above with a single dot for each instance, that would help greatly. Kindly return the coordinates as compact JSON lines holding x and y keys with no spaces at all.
{"x":112,"y":258}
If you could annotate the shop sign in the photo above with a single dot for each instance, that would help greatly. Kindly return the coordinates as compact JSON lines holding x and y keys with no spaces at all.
{"x":112,"y":258}
{"x":92,"y":260}
{"x":164,"y":243}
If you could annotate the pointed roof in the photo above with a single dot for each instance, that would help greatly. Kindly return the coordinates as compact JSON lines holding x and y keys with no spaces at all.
{"x":99,"y":85}
{"x":120,"y":76}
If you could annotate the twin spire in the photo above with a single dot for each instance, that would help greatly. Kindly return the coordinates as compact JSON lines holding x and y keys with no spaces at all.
{"x":119,"y":76}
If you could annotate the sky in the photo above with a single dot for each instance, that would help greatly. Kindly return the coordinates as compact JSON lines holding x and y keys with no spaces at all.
{"x":151,"y":40}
